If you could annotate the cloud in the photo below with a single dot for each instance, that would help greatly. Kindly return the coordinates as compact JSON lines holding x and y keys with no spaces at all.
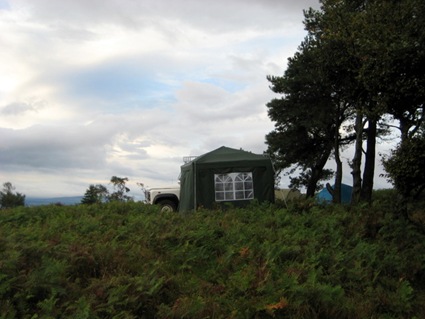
{"x":92,"y":89}
{"x":216,"y":16}
{"x":52,"y":148}
{"x":17,"y":108}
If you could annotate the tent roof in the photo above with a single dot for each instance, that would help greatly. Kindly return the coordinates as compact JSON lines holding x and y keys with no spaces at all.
{"x":227,"y":154}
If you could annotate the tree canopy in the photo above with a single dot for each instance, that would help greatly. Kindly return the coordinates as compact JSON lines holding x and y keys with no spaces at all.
{"x":406,"y":167}
{"x":9,"y":198}
{"x":360,"y":65}
{"x":97,"y":194}
{"x":304,"y":126}
{"x":119,"y":184}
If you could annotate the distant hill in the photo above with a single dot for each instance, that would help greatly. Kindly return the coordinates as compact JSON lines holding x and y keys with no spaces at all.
{"x":37,"y":201}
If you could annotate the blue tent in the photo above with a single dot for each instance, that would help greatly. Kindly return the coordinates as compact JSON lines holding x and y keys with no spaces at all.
{"x":346,"y":191}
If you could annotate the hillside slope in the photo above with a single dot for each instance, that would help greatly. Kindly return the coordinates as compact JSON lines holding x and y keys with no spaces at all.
{"x":130,"y":261}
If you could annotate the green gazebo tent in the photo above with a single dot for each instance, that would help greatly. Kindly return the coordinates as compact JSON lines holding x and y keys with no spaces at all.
{"x":226,"y":175}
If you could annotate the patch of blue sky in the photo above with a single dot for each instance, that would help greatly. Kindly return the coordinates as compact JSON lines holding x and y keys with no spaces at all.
{"x":227,"y":85}
{"x":273,"y":42}
{"x":133,"y":86}
{"x":159,"y":99}
{"x":4,"y":5}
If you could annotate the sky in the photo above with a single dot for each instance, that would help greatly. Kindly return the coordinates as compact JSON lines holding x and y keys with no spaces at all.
{"x":102,"y":88}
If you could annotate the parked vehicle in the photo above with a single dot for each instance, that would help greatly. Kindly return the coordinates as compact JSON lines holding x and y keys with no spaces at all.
{"x":166,"y":197}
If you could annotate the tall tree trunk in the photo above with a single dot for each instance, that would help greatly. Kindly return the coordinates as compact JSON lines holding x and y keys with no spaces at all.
{"x":336,"y":195}
{"x":404,"y":129}
{"x":312,"y":183}
{"x":316,"y":173}
{"x":369,"y":169}
{"x":357,"y":159}
{"x":338,"y":181}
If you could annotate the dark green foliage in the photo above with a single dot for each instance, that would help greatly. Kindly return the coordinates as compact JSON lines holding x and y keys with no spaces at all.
{"x":304,"y":131}
{"x":95,"y":194}
{"x":360,"y":65}
{"x":120,"y":190}
{"x":406,"y":167}
{"x":8,"y":198}
{"x":128,"y":260}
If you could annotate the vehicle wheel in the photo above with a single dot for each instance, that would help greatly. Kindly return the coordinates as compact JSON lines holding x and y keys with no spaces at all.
{"x":167,"y":205}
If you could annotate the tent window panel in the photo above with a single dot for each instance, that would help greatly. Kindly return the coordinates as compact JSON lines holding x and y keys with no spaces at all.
{"x":239,"y":186}
{"x":233,"y":186}
{"x":219,"y":196}
{"x":219,"y":187}
{"x":239,"y":195}
{"x":228,"y":187}
{"x":228,"y":196}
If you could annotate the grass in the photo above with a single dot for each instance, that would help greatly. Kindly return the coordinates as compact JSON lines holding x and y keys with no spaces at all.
{"x":128,"y":260}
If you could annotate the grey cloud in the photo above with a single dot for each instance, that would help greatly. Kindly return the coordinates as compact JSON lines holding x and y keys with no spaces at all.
{"x":18,"y":108}
{"x":72,"y":33}
{"x":49,"y":148}
{"x":81,"y":146}
{"x":219,"y":15}
{"x":207,"y":103}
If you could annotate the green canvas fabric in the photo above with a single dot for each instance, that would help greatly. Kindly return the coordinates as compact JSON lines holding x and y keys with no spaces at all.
{"x":197,"y":188}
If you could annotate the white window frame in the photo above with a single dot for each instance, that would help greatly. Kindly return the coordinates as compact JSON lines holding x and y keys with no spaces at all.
{"x":233,"y":186}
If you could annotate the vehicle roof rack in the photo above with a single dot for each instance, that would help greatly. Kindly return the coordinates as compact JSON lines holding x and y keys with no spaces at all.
{"x":188,"y":159}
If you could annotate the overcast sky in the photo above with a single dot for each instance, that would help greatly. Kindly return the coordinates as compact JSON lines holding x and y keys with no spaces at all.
{"x":92,"y":89}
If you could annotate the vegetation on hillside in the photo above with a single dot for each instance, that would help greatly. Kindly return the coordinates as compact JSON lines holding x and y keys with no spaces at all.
{"x":127,"y":260}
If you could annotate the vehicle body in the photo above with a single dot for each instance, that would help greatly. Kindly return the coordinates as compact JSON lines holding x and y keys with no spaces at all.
{"x":166,"y":197}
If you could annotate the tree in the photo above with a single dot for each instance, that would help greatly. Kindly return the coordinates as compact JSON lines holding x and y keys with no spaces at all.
{"x":9,"y":199}
{"x":300,"y":138}
{"x":393,"y":60}
{"x":310,"y":113}
{"x":339,"y":28}
{"x":406,"y":167}
{"x":120,"y":190}
{"x":361,"y":63}
{"x":387,"y":37}
{"x":95,"y":194}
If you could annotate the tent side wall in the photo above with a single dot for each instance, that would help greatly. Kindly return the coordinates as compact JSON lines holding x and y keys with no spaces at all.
{"x":263,"y":182}
{"x":187,"y":187}
{"x":202,"y":174}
